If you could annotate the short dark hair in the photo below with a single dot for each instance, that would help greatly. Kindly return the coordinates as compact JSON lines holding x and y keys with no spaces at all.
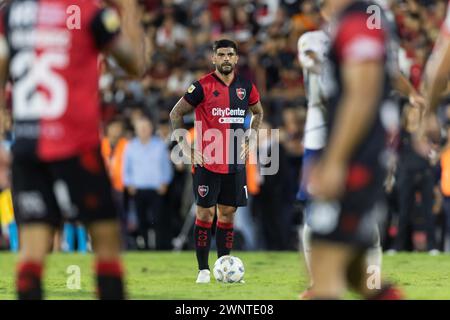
{"x":147,"y":117}
{"x":116,"y":119}
{"x":224,"y":43}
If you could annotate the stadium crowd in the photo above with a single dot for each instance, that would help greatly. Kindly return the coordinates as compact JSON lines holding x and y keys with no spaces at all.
{"x":179,"y":34}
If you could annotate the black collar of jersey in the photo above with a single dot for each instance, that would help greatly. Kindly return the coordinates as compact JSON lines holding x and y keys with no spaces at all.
{"x":221,"y":81}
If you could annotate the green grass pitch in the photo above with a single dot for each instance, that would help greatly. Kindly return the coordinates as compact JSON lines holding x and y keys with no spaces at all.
{"x":269,"y":276}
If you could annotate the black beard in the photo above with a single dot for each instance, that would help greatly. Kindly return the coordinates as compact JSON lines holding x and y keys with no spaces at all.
{"x":225,"y":72}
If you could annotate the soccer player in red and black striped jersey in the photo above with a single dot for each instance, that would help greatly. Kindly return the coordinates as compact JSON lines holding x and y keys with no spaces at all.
{"x":51,"y":51}
{"x":348,"y":180}
{"x":221,"y":100}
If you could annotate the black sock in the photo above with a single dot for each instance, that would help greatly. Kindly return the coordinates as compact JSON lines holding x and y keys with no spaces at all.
{"x":29,"y":285}
{"x":202,"y":239}
{"x":224,"y":238}
{"x":110,"y":280}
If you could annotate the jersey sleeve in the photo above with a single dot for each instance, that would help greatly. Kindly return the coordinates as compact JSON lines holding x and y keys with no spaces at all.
{"x":254,"y":96}
{"x":105,"y":27}
{"x":356,"y":42}
{"x":194,"y":95}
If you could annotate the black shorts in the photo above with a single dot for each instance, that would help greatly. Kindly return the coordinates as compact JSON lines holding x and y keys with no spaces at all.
{"x":74,"y":189}
{"x":351,"y":220}
{"x":212,"y":188}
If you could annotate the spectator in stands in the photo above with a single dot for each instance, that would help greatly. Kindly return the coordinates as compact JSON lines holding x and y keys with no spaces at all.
{"x":113,"y":149}
{"x":270,"y":199}
{"x":415,"y":176}
{"x":445,"y":188}
{"x":147,"y":172}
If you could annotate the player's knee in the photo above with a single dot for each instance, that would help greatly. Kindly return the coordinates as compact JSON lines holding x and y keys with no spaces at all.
{"x":33,"y":253}
{"x":35,"y":242}
{"x":205,"y":214}
{"x":106,"y":250}
{"x":226,"y":214}
{"x":106,"y":239}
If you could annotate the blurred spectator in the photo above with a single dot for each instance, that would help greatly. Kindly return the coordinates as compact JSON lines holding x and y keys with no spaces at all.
{"x":415,"y":179}
{"x":147,"y":172}
{"x":445,"y":188}
{"x":179,"y":81}
{"x":113,"y":148}
{"x":269,"y":202}
{"x":170,"y":34}
{"x":172,"y":220}
{"x":308,"y":18}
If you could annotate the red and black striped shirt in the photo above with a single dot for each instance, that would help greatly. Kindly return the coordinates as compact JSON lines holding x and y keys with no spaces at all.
{"x":220,"y":112}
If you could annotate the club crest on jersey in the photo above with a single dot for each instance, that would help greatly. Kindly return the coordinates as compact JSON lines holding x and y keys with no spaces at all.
{"x":240,"y":93}
{"x":203,"y":190}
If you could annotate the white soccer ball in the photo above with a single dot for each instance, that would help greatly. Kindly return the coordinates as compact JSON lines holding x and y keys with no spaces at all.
{"x":229,"y":269}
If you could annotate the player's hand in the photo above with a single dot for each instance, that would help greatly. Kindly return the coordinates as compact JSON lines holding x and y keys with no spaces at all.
{"x":193,"y":155}
{"x":417,"y":100}
{"x":245,"y":146}
{"x":245,"y":150}
{"x":249,"y":143}
{"x":162,"y":190}
{"x":313,"y":63}
{"x":327,"y":180}
{"x":428,"y":137}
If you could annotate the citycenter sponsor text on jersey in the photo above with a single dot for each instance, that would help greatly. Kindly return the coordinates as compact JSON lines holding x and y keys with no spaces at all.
{"x":225,"y":147}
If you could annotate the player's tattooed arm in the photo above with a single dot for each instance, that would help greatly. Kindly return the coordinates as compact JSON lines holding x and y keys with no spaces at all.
{"x":250,"y":141}
{"x":258,"y":114}
{"x":181,"y":109}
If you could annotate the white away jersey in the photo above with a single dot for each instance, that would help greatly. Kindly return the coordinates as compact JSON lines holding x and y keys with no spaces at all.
{"x":315,"y":127}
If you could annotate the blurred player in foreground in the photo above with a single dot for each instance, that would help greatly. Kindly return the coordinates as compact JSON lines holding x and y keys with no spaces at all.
{"x":312,"y":49}
{"x":52,"y":59}
{"x":348,"y":180}
{"x":221,"y":101}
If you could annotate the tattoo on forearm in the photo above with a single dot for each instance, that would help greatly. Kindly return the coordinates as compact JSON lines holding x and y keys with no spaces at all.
{"x":257,"y":117}
{"x":256,"y":121}
{"x":177,"y":121}
{"x":177,"y":113}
